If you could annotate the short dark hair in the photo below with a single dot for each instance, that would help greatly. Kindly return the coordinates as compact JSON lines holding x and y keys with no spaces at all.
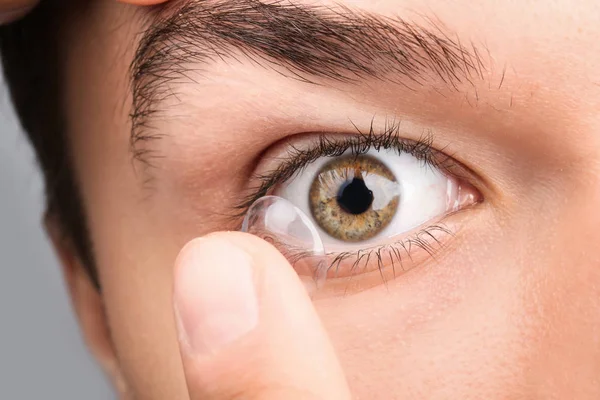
{"x":31,"y":57}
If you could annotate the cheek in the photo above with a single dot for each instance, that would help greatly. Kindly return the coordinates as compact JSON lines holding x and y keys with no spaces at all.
{"x":496,"y":319}
{"x":135,"y":248}
{"x":136,"y":243}
{"x":441,"y":333}
{"x":136,"y":240}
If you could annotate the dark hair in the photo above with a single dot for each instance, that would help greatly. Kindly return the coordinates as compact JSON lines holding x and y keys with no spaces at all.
{"x":31,"y":57}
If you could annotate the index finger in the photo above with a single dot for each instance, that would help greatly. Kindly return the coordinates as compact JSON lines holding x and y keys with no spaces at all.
{"x":11,"y":10}
{"x":143,"y":2}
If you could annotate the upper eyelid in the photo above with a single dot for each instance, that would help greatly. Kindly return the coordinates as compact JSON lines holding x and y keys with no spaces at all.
{"x":294,"y":36}
{"x":388,"y":137}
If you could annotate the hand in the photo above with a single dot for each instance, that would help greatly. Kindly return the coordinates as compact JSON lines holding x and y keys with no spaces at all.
{"x":11,"y":10}
{"x":247,"y":327}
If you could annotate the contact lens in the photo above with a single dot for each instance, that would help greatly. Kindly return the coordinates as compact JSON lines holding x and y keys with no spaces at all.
{"x":291,"y":231}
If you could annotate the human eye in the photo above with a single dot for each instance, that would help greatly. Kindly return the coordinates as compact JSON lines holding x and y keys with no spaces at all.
{"x":377,"y":201}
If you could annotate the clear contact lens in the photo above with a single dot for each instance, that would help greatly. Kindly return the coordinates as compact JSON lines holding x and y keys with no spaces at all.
{"x":291,"y":231}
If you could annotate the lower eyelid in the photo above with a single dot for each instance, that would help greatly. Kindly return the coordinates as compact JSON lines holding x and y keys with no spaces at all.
{"x":356,"y":271}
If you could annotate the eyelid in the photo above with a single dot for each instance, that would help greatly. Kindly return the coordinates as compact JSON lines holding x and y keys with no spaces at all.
{"x":375,"y":264}
{"x":334,"y":144}
{"x":398,"y":254}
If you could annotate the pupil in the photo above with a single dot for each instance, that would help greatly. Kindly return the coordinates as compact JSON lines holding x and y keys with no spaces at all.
{"x":355,"y":197}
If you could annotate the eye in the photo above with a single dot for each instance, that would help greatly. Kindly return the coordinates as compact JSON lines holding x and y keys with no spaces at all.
{"x":357,"y":200}
{"x":377,"y":201}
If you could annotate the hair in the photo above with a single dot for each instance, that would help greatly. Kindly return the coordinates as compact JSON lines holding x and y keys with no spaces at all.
{"x":31,"y":57}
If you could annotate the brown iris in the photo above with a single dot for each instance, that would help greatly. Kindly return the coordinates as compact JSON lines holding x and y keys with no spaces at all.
{"x":354,"y":197}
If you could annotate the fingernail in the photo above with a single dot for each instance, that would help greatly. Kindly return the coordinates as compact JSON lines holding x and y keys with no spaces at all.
{"x":10,"y":15}
{"x":215,"y":298}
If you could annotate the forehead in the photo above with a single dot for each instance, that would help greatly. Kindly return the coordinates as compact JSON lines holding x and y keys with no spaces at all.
{"x":523,"y":36}
{"x":548,"y":50}
{"x":545,"y":43}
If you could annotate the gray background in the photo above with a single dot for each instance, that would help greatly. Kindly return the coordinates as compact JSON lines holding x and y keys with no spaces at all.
{"x":42,"y":355}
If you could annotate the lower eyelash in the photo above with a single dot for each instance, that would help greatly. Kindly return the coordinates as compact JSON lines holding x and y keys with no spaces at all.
{"x":396,"y":252}
{"x":399,"y":255}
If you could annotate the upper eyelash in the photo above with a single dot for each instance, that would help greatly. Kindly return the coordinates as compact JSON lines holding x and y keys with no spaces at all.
{"x":388,"y":138}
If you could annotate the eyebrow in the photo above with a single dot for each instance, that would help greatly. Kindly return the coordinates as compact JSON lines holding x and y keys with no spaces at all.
{"x":305,"y":42}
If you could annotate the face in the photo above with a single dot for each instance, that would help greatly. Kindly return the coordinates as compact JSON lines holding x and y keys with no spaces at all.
{"x":459,"y":141}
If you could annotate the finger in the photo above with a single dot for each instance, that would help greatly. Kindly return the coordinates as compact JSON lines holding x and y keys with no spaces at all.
{"x":248,"y":329}
{"x":143,"y":2}
{"x":11,"y":10}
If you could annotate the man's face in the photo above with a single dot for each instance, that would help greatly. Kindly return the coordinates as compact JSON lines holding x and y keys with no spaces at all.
{"x":503,"y":302}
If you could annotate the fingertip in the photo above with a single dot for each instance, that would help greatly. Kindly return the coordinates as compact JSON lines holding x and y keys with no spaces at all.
{"x":12,"y":11}
{"x":214,"y":296}
{"x":143,"y":2}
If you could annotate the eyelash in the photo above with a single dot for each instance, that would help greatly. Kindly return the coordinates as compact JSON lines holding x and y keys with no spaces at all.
{"x":387,"y":138}
{"x":395,"y":253}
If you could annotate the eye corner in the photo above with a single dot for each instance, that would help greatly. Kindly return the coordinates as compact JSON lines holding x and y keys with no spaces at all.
{"x":467,"y":196}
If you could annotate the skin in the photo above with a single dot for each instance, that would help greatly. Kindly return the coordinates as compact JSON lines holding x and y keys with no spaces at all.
{"x":509,"y":310}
